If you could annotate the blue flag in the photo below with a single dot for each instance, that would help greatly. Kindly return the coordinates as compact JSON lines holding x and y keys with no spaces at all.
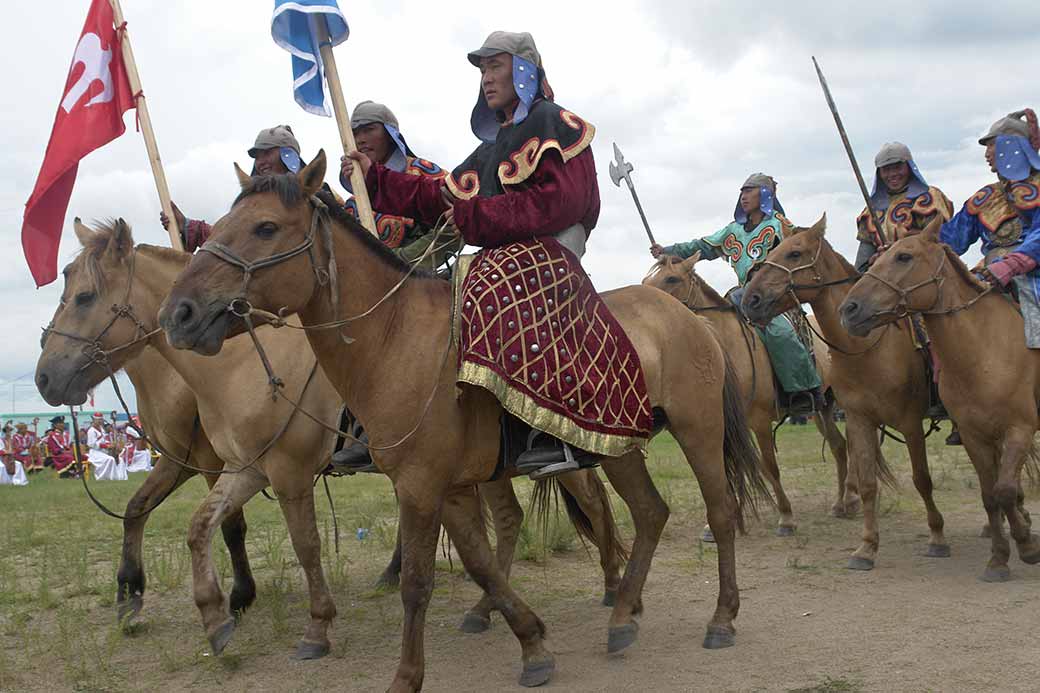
{"x":293,"y":27}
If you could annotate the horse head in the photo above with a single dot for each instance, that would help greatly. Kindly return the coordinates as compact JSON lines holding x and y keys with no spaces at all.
{"x":261,"y":256}
{"x":788,"y":275}
{"x":906,"y":278}
{"x":93,"y":318}
{"x":677,"y":277}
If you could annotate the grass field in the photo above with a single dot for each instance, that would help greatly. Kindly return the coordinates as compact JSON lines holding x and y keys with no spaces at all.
{"x":57,"y":579}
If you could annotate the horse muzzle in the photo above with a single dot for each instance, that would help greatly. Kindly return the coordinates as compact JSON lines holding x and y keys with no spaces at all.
{"x":856,"y":317}
{"x":191,"y":326}
{"x":63,"y":383}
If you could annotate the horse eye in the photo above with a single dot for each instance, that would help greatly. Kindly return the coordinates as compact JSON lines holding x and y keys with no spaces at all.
{"x":672,"y":280}
{"x":904,"y":257}
{"x":794,"y":255}
{"x":85,"y":298}
{"x":266,"y":229}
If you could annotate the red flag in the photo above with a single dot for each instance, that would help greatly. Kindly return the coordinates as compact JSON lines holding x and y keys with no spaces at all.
{"x":97,"y":94}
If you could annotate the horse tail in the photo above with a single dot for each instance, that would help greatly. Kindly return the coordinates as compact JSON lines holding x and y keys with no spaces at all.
{"x":548,"y":490}
{"x":884,"y":472}
{"x":1032,"y":465}
{"x":742,"y":461}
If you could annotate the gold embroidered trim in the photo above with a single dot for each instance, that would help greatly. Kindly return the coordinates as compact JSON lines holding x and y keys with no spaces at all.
{"x":466,"y":187}
{"x":524,"y":161}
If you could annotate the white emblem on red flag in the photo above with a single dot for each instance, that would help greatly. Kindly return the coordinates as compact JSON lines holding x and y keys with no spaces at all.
{"x":95,"y":61}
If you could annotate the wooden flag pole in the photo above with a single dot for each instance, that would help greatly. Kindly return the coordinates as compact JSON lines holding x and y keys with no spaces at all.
{"x":346,"y":134}
{"x":146,"y":129}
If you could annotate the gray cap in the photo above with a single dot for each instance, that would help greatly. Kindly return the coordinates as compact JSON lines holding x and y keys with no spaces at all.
{"x":760,"y":180}
{"x":1011,"y":124}
{"x":368,"y":112}
{"x":892,"y":153}
{"x":277,"y":137}
{"x":520,"y":44}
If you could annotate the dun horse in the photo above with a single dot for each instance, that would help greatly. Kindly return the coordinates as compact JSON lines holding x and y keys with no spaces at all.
{"x":397,"y":375}
{"x":755,"y":372}
{"x":878,"y":381}
{"x":172,"y":384}
{"x":995,"y":406}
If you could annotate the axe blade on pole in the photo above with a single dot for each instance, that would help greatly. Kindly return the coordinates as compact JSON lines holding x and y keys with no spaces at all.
{"x":622,"y":170}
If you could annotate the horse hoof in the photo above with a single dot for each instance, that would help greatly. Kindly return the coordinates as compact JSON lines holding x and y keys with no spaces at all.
{"x":241,"y":600}
{"x":306,"y":649}
{"x":717,"y":637}
{"x":537,"y":673}
{"x":986,"y":533}
{"x":619,"y":638}
{"x":785,"y":531}
{"x":1001,"y":574}
{"x":222,"y":636}
{"x":707,"y":537}
{"x":938,"y":551}
{"x":609,"y":598}
{"x":860,"y":563}
{"x":388,"y":581}
{"x":129,"y":610}
{"x":1027,"y":556}
{"x":474,"y":623}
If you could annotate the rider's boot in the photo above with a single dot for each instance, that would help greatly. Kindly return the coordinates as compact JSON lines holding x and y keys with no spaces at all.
{"x":354,"y":457}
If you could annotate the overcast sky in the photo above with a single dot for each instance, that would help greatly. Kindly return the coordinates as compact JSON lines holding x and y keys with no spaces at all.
{"x":697,"y":94}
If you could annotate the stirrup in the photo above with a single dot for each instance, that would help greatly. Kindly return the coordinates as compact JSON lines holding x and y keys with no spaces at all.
{"x":541,"y":463}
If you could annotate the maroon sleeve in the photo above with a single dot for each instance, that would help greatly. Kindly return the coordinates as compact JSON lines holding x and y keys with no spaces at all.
{"x":399,"y":194}
{"x":195,"y":233}
{"x":555,"y":196}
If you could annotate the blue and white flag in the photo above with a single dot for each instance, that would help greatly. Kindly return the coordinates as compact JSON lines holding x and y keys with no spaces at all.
{"x":293,"y":27}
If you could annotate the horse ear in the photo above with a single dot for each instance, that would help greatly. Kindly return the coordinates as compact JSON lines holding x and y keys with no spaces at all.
{"x":820,"y":227}
{"x":931,"y":231}
{"x":83,"y":232}
{"x":312,"y":177}
{"x":121,"y":243}
{"x":689,"y":262}
{"x":244,"y":179}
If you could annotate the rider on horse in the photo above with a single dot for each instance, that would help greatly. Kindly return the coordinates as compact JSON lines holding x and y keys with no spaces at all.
{"x":1005,"y":215}
{"x":901,"y":194}
{"x":379,"y":137}
{"x":758,"y":226}
{"x":531,"y":328}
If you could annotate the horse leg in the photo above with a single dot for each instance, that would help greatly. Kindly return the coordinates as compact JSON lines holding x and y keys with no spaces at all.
{"x":1017,"y":446}
{"x":296,"y":498}
{"x":915,"y":443}
{"x":164,"y":478}
{"x":590,"y":493}
{"x":391,"y":576}
{"x":866,"y":455}
{"x":766,"y":447}
{"x":848,"y":502}
{"x":507,"y":515}
{"x":984,"y":458}
{"x":629,"y":477}
{"x":462,"y":518}
{"x":227,"y":496}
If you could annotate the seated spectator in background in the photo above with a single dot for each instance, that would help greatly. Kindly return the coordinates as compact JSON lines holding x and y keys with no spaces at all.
{"x":136,"y":455}
{"x":12,"y":473}
{"x":59,"y":446}
{"x":23,"y":446}
{"x":99,"y":444}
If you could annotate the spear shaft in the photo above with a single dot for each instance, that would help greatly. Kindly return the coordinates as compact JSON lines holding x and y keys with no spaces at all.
{"x":852,"y":156}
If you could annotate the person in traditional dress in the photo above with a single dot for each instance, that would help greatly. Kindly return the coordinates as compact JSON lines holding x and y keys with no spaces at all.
{"x":758,"y":226}
{"x":275,"y":151}
{"x":23,"y":447}
{"x":99,"y":446}
{"x":59,"y":445}
{"x":378,"y":136}
{"x":528,"y":197}
{"x":12,"y":473}
{"x":1005,"y":215}
{"x":901,"y":196}
{"x":136,"y":455}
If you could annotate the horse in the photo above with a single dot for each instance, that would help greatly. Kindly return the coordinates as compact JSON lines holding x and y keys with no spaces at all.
{"x":395,"y":368}
{"x":755,"y":372}
{"x":111,"y":270}
{"x":881,"y":381}
{"x":995,"y":404}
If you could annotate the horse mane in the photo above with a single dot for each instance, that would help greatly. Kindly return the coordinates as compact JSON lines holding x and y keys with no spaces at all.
{"x":94,"y":249}
{"x":709,"y":292}
{"x":845,"y":264}
{"x":287,"y":187}
{"x":165,"y":254}
{"x":961,"y":269}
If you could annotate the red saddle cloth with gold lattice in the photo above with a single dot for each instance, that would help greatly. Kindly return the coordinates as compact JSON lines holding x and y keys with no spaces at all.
{"x":532,"y":330}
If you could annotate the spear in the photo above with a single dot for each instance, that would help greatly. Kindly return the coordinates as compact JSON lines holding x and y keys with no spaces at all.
{"x":848,"y":150}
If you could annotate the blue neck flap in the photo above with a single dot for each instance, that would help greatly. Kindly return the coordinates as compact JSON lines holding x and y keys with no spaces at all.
{"x":879,"y":197}
{"x":1015,"y":157}
{"x":767,"y":202}
{"x":527,"y":83}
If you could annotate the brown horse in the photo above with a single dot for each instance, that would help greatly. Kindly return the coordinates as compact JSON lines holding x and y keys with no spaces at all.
{"x":434,"y":440}
{"x":138,"y":279}
{"x":755,"y":373}
{"x":878,"y":381}
{"x":995,"y":406}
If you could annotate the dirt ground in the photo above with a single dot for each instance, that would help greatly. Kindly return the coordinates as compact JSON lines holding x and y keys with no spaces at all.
{"x":806,"y":622}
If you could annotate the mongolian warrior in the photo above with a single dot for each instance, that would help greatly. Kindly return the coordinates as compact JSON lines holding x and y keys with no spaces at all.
{"x":758,"y":226}
{"x":901,"y":194}
{"x":378,"y":136}
{"x":530,"y":327}
{"x":59,"y":445}
{"x":275,"y":151}
{"x":1005,"y":215}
